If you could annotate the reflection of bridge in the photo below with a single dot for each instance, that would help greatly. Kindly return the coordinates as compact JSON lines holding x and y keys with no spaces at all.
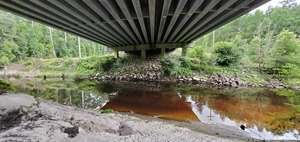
{"x":134,"y":25}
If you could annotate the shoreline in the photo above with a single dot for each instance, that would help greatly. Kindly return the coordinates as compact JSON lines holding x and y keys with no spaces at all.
{"x":213,"y":81}
{"x":45,"y":120}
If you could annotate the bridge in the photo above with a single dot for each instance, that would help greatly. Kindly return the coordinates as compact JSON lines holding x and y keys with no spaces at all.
{"x":134,"y":25}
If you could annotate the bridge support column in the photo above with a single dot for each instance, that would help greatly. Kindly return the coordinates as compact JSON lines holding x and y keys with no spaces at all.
{"x":162,"y":52}
{"x":184,"y":50}
{"x":116,"y":53}
{"x":143,"y":54}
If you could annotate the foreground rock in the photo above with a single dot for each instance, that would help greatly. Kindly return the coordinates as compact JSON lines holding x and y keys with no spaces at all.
{"x":22,"y":118}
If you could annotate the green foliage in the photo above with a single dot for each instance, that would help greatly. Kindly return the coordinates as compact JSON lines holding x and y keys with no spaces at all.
{"x":7,"y":50}
{"x":290,"y":70}
{"x":227,"y":53}
{"x":196,"y":52}
{"x":29,"y":64}
{"x":5,"y":86}
{"x":296,"y":107}
{"x":107,"y":63}
{"x":179,"y":66}
{"x":168,"y":66}
{"x":286,"y":93}
{"x":108,"y":111}
{"x":253,"y":80}
{"x":190,"y":63}
{"x":94,"y":64}
{"x":21,"y":38}
{"x":183,"y":71}
{"x":286,"y":50}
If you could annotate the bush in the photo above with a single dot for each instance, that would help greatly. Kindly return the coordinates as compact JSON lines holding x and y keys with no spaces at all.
{"x":167,"y":66}
{"x":179,"y":66}
{"x":5,"y":86}
{"x":196,"y":52}
{"x":96,"y":64}
{"x":286,"y":50}
{"x":190,"y":63}
{"x":227,"y":53}
{"x":106,"y":63}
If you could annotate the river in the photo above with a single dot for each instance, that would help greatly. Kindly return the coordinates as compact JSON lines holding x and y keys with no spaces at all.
{"x":265,"y":113}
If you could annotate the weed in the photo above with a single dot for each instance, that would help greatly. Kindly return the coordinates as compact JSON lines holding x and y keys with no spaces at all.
{"x":107,"y":111}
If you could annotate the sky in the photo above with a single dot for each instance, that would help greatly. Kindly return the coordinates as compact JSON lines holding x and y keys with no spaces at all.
{"x":272,"y":3}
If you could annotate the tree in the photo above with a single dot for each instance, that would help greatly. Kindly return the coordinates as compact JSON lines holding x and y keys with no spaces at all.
{"x":288,"y":3}
{"x":196,"y":52}
{"x":227,"y":53}
{"x":286,"y":50}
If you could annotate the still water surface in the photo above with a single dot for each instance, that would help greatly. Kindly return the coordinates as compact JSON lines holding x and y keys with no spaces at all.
{"x":265,"y":113}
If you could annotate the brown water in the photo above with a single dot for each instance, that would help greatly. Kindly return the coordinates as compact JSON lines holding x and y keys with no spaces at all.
{"x":265,"y":113}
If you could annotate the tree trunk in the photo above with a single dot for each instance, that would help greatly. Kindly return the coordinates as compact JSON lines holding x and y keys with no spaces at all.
{"x":66,"y":40}
{"x":213,"y":43}
{"x":51,"y":38}
{"x":79,"y":47}
{"x":259,"y":49}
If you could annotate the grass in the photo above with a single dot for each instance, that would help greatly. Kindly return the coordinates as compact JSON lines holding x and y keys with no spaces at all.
{"x":286,"y":93}
{"x":107,"y":111}
{"x":5,"y":86}
{"x":93,"y":65}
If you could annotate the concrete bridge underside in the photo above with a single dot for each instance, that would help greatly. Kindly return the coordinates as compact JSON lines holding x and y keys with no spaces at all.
{"x":134,"y":25}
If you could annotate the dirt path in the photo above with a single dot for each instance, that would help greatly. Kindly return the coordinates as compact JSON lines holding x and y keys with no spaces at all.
{"x":22,"y":120}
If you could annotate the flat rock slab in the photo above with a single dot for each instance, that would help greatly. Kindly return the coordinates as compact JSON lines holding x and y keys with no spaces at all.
{"x":10,"y":102}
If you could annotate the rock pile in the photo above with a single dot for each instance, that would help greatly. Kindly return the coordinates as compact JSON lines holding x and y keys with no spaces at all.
{"x":135,"y":69}
{"x":216,"y":80}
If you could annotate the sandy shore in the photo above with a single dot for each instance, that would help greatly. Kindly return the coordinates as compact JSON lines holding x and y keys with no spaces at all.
{"x":23,"y":119}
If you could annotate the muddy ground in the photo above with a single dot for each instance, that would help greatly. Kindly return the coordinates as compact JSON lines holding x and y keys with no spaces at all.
{"x":23,"y":118}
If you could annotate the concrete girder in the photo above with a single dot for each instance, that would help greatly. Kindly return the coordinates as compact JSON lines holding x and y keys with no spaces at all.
{"x":106,"y":30}
{"x":111,"y":8}
{"x":62,"y":17}
{"x":190,"y":13}
{"x":125,"y":10}
{"x":152,"y":46}
{"x":226,"y":18}
{"x":209,"y":18}
{"x":198,"y":18}
{"x":178,"y":10}
{"x":63,"y":5}
{"x":68,"y":19}
{"x":51,"y":22}
{"x":134,"y":24}
{"x":152,"y":18}
{"x":99,"y":9}
{"x":67,"y":8}
{"x":139,"y":13}
{"x":164,"y":14}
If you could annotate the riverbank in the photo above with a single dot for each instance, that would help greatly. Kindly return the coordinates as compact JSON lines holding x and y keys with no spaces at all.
{"x":23,"y":118}
{"x":133,"y":69}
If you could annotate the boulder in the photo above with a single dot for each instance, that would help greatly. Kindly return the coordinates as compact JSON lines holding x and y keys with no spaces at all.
{"x":226,"y":84}
{"x":233,"y":84}
{"x":296,"y":88}
{"x":196,"y":79}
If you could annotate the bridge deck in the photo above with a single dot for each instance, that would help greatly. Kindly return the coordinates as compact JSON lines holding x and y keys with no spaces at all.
{"x":142,"y":23}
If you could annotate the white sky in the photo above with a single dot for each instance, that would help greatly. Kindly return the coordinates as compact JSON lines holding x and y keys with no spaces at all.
{"x":272,"y":3}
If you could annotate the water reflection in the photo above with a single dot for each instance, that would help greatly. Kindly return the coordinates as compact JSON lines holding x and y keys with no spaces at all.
{"x":80,"y":94}
{"x":82,"y":99}
{"x":265,"y":114}
{"x":211,"y":116}
{"x":159,"y":104}
{"x":258,"y":110}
